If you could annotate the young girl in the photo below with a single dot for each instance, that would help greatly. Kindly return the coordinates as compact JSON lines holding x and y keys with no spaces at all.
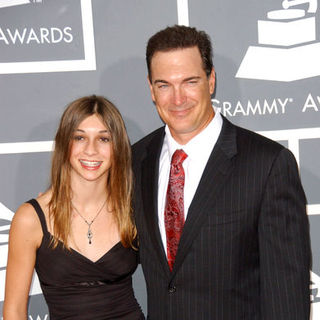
{"x":79,"y":235}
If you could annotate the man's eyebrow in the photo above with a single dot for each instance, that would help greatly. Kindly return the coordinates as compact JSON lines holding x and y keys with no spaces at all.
{"x":184,"y":80}
{"x":192,"y":78}
{"x":160,"y":81}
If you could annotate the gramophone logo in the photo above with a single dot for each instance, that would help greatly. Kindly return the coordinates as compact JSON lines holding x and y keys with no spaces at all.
{"x":10,"y":3}
{"x":315,"y":295}
{"x":46,"y":36}
{"x":5,"y":221}
{"x":287,"y":49}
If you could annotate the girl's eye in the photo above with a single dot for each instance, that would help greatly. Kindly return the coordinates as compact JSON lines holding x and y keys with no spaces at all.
{"x":78,"y":138}
{"x":105,"y":139}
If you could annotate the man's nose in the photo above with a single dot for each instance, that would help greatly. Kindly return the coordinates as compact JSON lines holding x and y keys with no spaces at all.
{"x":179,"y":96}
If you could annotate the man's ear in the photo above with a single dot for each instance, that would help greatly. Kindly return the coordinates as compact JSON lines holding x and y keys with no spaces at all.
{"x":212,"y":81}
{"x":151,"y":89}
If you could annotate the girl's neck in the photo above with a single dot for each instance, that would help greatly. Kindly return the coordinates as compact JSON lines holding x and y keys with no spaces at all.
{"x":85,"y":193}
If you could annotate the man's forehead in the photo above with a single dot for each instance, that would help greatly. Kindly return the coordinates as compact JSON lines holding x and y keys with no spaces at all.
{"x":184,"y":56}
{"x":175,"y":51}
{"x":184,"y":62}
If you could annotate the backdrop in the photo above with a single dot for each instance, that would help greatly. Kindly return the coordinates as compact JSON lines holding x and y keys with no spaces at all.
{"x":266,"y":56}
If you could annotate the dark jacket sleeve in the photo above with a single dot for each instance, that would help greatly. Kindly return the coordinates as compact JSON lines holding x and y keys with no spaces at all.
{"x":284,"y":243}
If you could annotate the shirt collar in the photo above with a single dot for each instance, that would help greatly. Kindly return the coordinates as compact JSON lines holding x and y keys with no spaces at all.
{"x":201,"y":143}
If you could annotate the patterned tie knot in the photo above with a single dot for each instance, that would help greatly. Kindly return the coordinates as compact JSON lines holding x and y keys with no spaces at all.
{"x":178,"y":157}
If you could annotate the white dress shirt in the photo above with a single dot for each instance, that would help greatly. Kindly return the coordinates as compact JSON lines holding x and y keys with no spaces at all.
{"x":198,"y":150}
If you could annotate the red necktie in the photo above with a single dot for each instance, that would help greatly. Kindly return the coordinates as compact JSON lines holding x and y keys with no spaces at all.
{"x":174,"y":208}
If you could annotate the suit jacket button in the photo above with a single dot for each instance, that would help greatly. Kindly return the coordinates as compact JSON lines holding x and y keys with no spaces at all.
{"x":172,"y":289}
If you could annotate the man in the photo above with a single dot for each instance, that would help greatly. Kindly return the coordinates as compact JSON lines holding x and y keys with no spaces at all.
{"x":223,"y":230}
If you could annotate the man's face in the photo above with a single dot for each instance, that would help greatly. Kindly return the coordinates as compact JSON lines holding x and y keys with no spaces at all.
{"x":182,"y":92}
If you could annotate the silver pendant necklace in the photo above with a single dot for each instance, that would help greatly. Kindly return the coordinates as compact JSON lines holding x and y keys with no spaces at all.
{"x":89,"y":233}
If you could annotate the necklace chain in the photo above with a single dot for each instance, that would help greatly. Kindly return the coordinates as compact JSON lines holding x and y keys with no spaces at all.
{"x":89,"y":233}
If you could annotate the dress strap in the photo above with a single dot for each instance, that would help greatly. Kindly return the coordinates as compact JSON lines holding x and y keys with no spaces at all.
{"x":40,"y":214}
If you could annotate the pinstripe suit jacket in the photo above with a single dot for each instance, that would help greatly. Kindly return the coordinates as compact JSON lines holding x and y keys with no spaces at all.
{"x":245,"y":250}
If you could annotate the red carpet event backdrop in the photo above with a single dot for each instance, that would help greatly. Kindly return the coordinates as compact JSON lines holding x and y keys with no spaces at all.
{"x":266,"y":57}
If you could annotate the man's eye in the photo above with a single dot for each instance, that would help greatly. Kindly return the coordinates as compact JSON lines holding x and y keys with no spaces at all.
{"x":163,"y":86}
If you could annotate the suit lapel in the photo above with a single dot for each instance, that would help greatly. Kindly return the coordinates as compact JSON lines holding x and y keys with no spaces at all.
{"x":218,"y":167}
{"x":150,"y":173}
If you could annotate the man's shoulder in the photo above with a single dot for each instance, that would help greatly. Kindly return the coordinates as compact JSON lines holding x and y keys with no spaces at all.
{"x":246,"y":137}
{"x":146,"y":141}
{"x":150,"y":144}
{"x":250,"y":145}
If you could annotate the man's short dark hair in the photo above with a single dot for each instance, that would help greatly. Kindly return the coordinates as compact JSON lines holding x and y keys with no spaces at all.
{"x":180,"y":37}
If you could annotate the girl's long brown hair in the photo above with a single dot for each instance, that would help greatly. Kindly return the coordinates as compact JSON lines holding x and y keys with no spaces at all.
{"x":119,"y":183}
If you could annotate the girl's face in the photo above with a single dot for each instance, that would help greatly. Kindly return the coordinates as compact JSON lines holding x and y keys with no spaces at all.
{"x":91,"y":150}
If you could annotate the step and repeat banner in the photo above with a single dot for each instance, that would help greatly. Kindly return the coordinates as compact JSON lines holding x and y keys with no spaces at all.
{"x":266,"y":57}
